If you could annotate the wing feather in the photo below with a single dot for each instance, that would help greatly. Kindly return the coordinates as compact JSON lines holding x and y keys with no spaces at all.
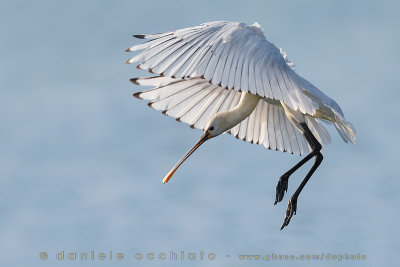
{"x":257,"y":123}
{"x":195,"y":101}
{"x":234,"y":55}
{"x":233,"y":69}
{"x":211,"y":109}
{"x":268,"y":125}
{"x":200,"y":107}
{"x":264,"y":125}
{"x":278,"y":131}
{"x":171,"y":59}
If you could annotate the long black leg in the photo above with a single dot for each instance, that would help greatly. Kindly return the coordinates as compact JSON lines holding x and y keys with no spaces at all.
{"x":282,"y":185}
{"x":316,"y":147}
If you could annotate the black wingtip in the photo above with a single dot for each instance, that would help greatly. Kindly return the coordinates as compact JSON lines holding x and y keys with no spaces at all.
{"x":137,"y":95}
{"x":139,"y":36}
{"x":134,"y":80}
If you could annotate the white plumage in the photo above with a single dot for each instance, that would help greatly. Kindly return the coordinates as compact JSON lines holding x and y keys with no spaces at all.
{"x":232,"y":55}
{"x":195,"y":101}
{"x":198,"y":62}
{"x":226,"y":77}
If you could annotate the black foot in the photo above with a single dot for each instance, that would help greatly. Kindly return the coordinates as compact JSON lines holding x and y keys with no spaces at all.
{"x":292,"y":206}
{"x":281,"y":188}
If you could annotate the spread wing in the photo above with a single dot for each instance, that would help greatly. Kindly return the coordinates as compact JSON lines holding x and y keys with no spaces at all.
{"x":229,"y":55}
{"x":195,"y":100}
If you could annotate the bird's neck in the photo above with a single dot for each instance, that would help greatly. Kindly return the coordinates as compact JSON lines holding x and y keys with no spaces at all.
{"x":247,"y":104}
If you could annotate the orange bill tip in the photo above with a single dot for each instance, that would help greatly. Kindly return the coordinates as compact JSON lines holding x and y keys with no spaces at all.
{"x":173,"y":170}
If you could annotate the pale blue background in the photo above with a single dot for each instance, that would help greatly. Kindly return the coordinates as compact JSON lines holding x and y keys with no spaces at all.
{"x":82,"y":161}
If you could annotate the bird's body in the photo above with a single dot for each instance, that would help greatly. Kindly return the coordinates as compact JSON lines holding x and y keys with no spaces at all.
{"x":226,"y":77}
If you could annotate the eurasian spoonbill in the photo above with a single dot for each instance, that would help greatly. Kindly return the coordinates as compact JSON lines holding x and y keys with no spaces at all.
{"x":226,"y":77}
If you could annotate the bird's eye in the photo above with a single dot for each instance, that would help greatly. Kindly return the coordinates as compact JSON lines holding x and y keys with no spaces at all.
{"x":212,"y":128}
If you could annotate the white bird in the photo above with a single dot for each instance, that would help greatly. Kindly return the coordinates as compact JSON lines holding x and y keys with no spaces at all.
{"x":226,"y":77}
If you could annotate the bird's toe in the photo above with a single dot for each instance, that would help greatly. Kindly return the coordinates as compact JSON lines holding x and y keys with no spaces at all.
{"x":281,"y":188}
{"x":291,"y":210}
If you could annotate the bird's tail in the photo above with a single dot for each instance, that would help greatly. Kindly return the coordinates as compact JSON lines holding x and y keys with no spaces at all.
{"x":345,"y":129}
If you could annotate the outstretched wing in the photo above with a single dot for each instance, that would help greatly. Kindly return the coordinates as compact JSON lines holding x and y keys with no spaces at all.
{"x":195,"y":101}
{"x":227,"y":54}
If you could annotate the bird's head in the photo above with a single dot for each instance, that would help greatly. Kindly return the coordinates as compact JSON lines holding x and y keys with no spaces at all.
{"x":214,"y":127}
